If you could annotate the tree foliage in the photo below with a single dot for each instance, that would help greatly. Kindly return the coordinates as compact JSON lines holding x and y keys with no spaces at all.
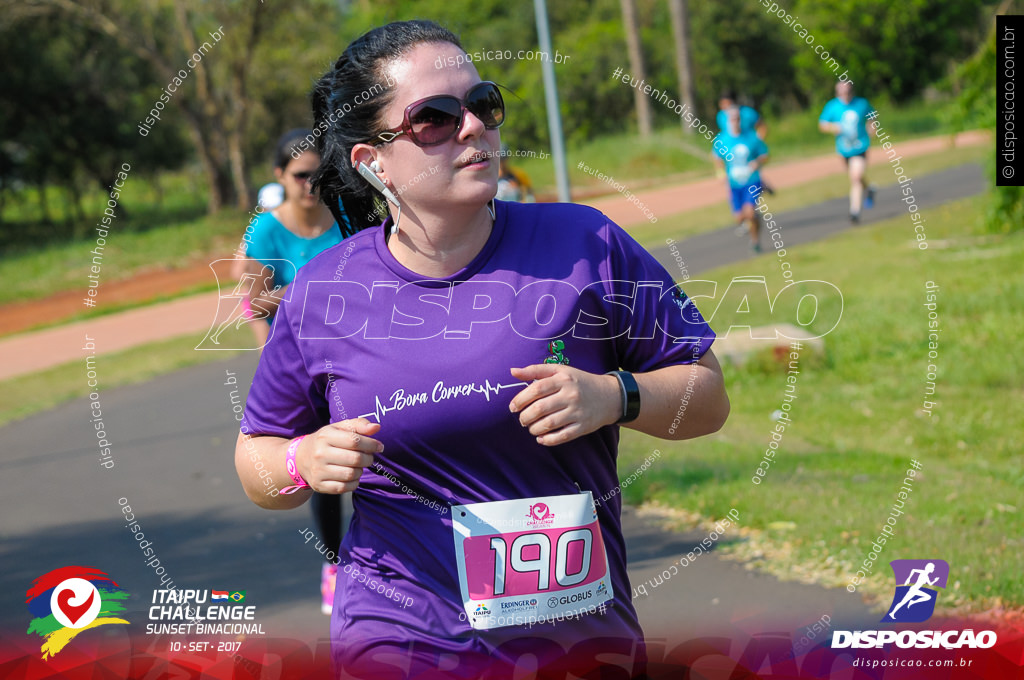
{"x":62,"y":123}
{"x":235,"y":49}
{"x":898,"y":48}
{"x":975,"y":80}
{"x":96,"y":66}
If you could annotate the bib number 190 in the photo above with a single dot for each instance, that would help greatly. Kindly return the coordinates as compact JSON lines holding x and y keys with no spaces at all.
{"x":531,"y":553}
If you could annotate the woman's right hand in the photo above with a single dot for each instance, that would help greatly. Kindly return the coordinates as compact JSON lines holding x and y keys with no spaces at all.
{"x":332,"y":459}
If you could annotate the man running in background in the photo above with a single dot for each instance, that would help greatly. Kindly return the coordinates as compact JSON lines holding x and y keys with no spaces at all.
{"x":742,"y":154}
{"x":846,"y":118}
{"x":750,"y":121}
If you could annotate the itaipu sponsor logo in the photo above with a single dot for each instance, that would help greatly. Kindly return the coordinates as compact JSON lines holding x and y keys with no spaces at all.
{"x":67,"y":601}
{"x":914,"y":602}
{"x":481,"y":610}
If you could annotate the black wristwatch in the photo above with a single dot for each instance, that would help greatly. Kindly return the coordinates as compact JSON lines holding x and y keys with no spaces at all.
{"x":630,"y":395}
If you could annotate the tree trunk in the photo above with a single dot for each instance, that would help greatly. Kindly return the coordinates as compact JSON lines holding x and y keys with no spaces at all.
{"x":684,"y":67}
{"x":42,"y":203}
{"x":158,"y":189}
{"x":217,"y":196}
{"x":636,"y":65}
{"x":208,"y":119}
{"x":239,"y":106}
{"x":215,"y":118}
{"x":243,"y":199}
{"x":75,"y":214}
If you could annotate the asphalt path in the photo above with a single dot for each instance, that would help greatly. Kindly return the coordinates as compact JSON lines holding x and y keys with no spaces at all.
{"x":172,"y":440}
{"x":821,"y":220}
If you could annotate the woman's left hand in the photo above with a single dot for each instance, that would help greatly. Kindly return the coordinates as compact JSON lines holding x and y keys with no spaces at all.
{"x":563,"y":403}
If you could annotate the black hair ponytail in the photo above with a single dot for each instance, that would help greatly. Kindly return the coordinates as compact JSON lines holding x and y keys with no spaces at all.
{"x":360,"y":74}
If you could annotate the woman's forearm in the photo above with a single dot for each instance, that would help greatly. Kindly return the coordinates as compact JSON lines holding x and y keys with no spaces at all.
{"x":682,"y":402}
{"x":261,"y":467}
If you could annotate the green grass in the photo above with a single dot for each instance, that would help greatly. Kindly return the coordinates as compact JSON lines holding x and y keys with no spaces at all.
{"x":716,"y":216}
{"x":147,"y":203}
{"x":109,"y":308}
{"x":40,"y":273}
{"x":60,"y":267}
{"x":168,"y":228}
{"x":22,"y":396}
{"x":797,"y":135}
{"x":668,"y":155}
{"x":858,"y":418}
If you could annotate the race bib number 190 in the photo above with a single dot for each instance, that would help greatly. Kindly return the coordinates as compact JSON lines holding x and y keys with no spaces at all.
{"x":530,"y":559}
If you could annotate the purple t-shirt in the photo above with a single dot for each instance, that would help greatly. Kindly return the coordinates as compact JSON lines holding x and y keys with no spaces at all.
{"x":361,"y":335}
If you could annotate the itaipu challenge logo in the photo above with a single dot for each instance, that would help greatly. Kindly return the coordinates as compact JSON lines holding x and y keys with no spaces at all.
{"x":69,"y":600}
{"x":540,"y":514}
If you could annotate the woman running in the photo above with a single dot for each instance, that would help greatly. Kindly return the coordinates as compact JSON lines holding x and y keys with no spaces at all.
{"x":285,"y":239}
{"x":463,"y":369}
{"x":282,"y":242}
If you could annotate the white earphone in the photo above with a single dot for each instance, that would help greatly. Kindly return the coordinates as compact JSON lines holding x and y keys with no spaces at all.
{"x":376,"y":183}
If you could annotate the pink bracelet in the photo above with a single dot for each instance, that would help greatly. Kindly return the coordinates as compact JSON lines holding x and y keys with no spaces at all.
{"x":293,"y":469}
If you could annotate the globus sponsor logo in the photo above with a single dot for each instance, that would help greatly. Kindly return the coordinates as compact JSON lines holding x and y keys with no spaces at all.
{"x":917,"y":639}
{"x":569,"y":599}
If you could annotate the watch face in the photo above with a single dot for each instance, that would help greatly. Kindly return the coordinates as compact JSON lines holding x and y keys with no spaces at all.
{"x":630,"y":396}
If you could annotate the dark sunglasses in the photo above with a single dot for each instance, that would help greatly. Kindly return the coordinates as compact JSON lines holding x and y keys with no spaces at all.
{"x":437,"y":119}
{"x":302,"y":176}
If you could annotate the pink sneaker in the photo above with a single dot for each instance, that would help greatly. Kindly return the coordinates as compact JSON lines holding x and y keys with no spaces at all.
{"x":328,"y":579}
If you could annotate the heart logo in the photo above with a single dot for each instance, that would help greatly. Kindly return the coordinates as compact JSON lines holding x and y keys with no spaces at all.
{"x":73,"y":612}
{"x":539,"y":511}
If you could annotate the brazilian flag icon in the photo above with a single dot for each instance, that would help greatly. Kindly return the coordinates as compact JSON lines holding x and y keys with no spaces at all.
{"x":237,"y":595}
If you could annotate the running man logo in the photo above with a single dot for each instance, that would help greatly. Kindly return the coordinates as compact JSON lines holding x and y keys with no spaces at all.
{"x":914,"y":600}
{"x":239,"y":303}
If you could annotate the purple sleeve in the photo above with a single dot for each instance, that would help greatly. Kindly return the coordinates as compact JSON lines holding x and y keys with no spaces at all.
{"x":284,"y":400}
{"x":664,"y":327}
